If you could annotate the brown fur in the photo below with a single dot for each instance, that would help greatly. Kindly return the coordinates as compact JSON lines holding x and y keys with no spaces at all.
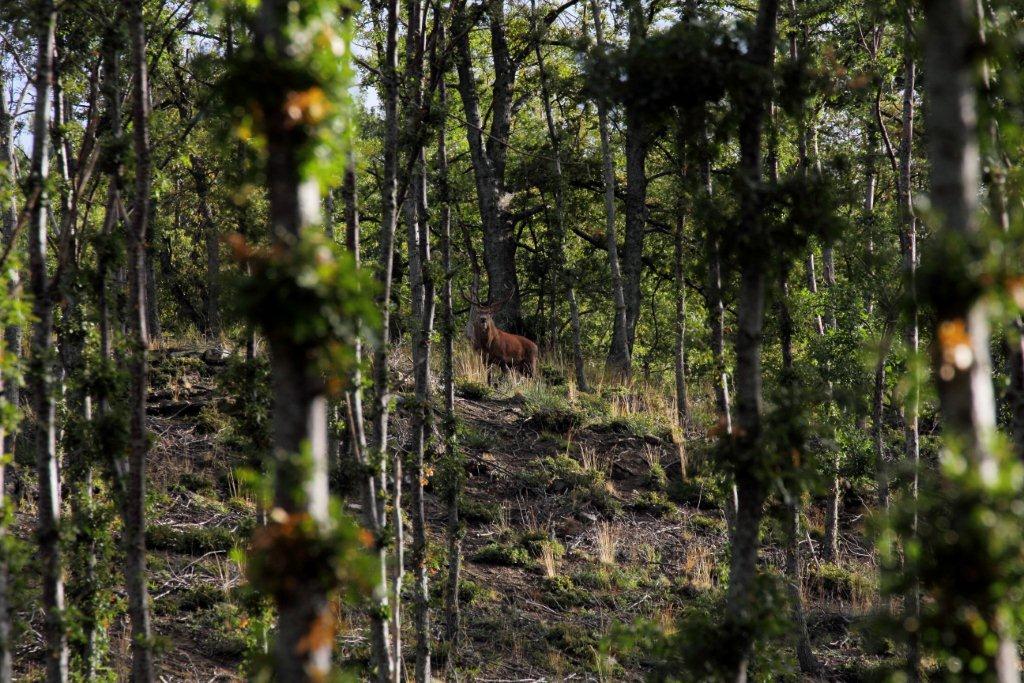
{"x":504,"y":349}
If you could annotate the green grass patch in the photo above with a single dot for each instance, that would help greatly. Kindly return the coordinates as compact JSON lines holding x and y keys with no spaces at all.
{"x":551,"y":411}
{"x":472,"y":391}
{"x":502,"y":555}
{"x":698,"y":491}
{"x":478,"y":512}
{"x":561,"y":592}
{"x":706,"y":524}
{"x":835,"y":581}
{"x":191,"y":541}
{"x":585,"y":486}
{"x":655,"y":503}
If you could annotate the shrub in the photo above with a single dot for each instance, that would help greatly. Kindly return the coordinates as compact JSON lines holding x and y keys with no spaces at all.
{"x":550,"y":411}
{"x":832,"y":580}
{"x":534,"y":543}
{"x":653,"y":502}
{"x":561,"y":592}
{"x":706,"y":524}
{"x":502,"y":555}
{"x":586,"y":486}
{"x":700,"y":491}
{"x":473,"y":391}
{"x":193,"y":541}
{"x":478,"y":512}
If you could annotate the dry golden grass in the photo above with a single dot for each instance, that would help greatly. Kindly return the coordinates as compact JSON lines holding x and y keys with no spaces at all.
{"x":549,"y":561}
{"x":607,"y":541}
{"x":468,"y":365}
{"x":699,"y":566}
{"x":590,"y":460}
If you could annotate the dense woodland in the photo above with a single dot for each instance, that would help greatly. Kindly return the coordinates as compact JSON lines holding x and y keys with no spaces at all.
{"x":511,"y":341}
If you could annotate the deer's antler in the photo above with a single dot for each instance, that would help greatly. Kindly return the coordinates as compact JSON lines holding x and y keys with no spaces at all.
{"x":497,"y":306}
{"x":472,"y":301}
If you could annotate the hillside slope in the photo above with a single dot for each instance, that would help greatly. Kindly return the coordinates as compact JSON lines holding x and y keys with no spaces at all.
{"x":579,"y":517}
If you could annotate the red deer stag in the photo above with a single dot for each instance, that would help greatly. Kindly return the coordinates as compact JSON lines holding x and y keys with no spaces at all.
{"x":504,"y":349}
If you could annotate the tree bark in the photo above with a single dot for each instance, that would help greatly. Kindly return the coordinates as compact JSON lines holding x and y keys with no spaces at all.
{"x":41,"y":382}
{"x":453,"y":463}
{"x":300,"y":652}
{"x":382,"y":399}
{"x":560,"y":275}
{"x":422,"y":290}
{"x":372,"y":503}
{"x":679,"y":292}
{"x":908,"y":249}
{"x":637,"y":145}
{"x":488,"y":152}
{"x":135,"y":500}
{"x":961,"y":353}
{"x":715,"y":303}
{"x":619,"y":360}
{"x":750,"y":486}
{"x":9,"y":393}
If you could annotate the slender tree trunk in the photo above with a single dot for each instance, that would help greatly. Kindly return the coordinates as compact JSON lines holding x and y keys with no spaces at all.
{"x":301,"y":652}
{"x":908,"y":248}
{"x":750,"y":485}
{"x":382,"y":399}
{"x":453,"y":460}
{"x":791,"y":499}
{"x":961,"y":353}
{"x":422,"y":290}
{"x":559,"y":260}
{"x":679,"y":293}
{"x":619,"y":361}
{"x":75,"y":468}
{"x":715,"y":301}
{"x":637,"y":145}
{"x":41,"y":385}
{"x":135,"y":500}
{"x":9,"y":389}
{"x":878,"y":420}
{"x":372,"y":504}
{"x":487,"y":155}
{"x":211,"y":239}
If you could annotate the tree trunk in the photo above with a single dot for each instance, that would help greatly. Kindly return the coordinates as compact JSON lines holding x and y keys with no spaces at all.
{"x":422,"y":290}
{"x":559,"y":257}
{"x":453,"y":465}
{"x":994,"y":177}
{"x":961,"y":353}
{"x":135,"y":500}
{"x":637,"y":144}
{"x":211,"y":239}
{"x":300,"y":652}
{"x":714,"y":299}
{"x":389,"y":222}
{"x":679,"y":293}
{"x":750,"y":486}
{"x":9,"y":393}
{"x":878,"y":420}
{"x":372,"y":503}
{"x":619,"y":361}
{"x":487,"y":154}
{"x":40,"y":383}
{"x":791,"y":499}
{"x":908,"y":248}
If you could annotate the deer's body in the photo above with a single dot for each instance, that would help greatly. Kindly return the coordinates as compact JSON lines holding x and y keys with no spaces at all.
{"x":503,"y":349}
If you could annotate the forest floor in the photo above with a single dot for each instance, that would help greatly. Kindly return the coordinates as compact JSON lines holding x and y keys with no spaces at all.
{"x":579,"y":518}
